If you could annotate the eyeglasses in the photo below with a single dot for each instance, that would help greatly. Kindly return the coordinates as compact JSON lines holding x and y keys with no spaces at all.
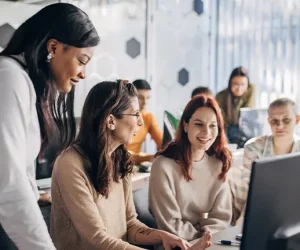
{"x":236,"y":86}
{"x":136,"y":114}
{"x":276,"y":122}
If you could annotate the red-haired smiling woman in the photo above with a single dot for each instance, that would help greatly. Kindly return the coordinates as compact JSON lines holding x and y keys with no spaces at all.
{"x":189,"y":193}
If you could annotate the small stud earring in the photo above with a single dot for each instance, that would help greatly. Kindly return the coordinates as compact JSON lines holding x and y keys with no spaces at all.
{"x":49,"y":57}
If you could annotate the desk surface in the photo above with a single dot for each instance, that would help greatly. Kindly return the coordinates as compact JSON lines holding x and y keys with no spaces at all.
{"x":228,"y":234}
{"x":138,"y":181}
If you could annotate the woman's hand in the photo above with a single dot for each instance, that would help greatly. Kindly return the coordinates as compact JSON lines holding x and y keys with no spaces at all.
{"x":45,"y":199}
{"x":170,"y":241}
{"x":203,"y":243}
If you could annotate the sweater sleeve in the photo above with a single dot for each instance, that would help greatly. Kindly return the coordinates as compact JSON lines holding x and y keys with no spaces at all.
{"x":164,"y":206}
{"x":20,"y":215}
{"x":80,"y":206}
{"x":219,"y":217}
{"x":155,"y":132}
{"x":133,"y":224}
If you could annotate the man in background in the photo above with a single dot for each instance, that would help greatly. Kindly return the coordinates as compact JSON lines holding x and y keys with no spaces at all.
{"x":202,"y":90}
{"x":150,"y":125}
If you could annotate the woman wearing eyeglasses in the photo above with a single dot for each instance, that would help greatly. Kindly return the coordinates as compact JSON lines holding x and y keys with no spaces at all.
{"x":239,"y":94}
{"x":92,"y":204}
{"x":283,"y":119}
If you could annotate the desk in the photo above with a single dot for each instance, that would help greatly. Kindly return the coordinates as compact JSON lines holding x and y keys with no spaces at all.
{"x":228,"y":234}
{"x":139,"y":180}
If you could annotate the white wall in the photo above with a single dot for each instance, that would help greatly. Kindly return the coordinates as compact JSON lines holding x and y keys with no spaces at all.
{"x":15,"y":14}
{"x":181,"y":39}
{"x":117,"y":23}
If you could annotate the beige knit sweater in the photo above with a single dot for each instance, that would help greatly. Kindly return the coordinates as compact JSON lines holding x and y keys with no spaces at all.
{"x":186,"y":208}
{"x":80,"y":219}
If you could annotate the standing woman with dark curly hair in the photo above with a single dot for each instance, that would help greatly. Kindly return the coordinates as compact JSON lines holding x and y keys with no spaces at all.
{"x":43,"y":61}
{"x":92,"y":204}
{"x":189,"y":193}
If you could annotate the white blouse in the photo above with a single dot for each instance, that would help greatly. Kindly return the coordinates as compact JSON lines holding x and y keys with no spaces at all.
{"x":20,"y":215}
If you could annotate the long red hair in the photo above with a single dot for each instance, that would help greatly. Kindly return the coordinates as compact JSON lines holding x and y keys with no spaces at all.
{"x":180,"y":148}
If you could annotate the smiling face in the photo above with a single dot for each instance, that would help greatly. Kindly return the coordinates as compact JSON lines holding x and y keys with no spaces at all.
{"x":282,"y":120}
{"x":128,"y":125}
{"x":202,"y":129}
{"x":68,"y":63}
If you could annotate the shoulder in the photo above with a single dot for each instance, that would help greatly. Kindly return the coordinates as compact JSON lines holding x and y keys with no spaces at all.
{"x":164,"y":164}
{"x":69,"y":161}
{"x":127,"y":180}
{"x":222,"y":95}
{"x":9,"y":65}
{"x":251,"y":88}
{"x":256,"y":144}
{"x":249,"y":93}
{"x":148,"y":117}
{"x":13,"y":76}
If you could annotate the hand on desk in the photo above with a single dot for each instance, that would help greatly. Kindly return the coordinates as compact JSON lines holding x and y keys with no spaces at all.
{"x":45,"y":199}
{"x":201,"y":244}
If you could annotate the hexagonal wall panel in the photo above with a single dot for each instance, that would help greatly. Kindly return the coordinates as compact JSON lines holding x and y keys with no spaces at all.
{"x":183,"y":77}
{"x":133,"y":47}
{"x":198,"y":6}
{"x":6,"y":32}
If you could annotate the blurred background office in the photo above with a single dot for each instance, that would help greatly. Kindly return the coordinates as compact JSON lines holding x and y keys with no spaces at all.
{"x":178,"y":45}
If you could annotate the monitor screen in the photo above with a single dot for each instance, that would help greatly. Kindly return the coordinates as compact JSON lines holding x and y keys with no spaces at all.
{"x":272,"y":219}
{"x":253,"y":122}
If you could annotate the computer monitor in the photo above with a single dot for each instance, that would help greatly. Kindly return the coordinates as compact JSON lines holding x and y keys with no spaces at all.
{"x":272,"y":219}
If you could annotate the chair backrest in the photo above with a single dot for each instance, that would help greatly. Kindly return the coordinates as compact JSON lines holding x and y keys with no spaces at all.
{"x":141,"y":202}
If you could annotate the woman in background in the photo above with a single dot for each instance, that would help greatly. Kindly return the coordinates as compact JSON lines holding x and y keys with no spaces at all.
{"x":188,"y":190}
{"x":283,"y":118}
{"x":238,"y":94}
{"x":92,"y":203}
{"x":43,"y":61}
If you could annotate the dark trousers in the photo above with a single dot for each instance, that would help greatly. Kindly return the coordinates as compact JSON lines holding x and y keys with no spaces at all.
{"x":5,"y":242}
{"x":233,"y":133}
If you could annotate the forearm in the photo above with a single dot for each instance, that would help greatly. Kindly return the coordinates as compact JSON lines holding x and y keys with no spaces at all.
{"x":132,"y":247}
{"x":149,"y":236}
